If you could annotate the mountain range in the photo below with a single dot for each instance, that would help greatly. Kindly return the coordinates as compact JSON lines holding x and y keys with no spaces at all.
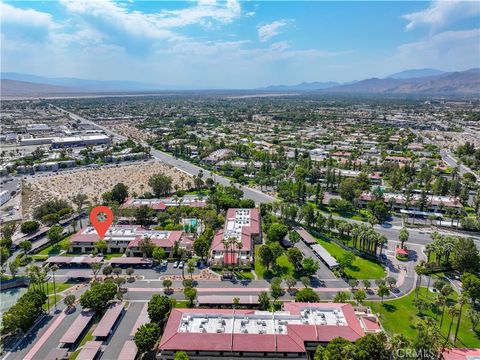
{"x":414,"y":81}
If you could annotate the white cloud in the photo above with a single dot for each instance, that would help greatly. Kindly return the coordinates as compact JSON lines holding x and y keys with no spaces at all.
{"x":268,"y":31}
{"x":20,"y":17}
{"x":441,"y":13}
{"x":449,"y":50}
{"x":108,"y":15}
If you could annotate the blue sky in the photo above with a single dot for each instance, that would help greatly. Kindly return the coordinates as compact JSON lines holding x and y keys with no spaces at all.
{"x":236,"y":44}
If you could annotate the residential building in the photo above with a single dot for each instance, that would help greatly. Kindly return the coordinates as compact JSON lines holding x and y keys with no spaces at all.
{"x":163,"y":203}
{"x":126,"y":239}
{"x":294,"y":332}
{"x":234,"y":244}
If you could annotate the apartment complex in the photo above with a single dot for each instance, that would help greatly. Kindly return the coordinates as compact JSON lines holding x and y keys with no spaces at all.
{"x":294,"y":332}
{"x":234,"y":244}
{"x":126,"y":238}
{"x":163,"y":203}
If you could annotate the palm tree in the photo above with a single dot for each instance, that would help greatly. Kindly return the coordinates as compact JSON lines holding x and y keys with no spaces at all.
{"x":239,"y":247}
{"x":439,"y":302}
{"x":382,"y":240}
{"x":461,"y":301}
{"x":53,"y":269}
{"x":452,"y":311}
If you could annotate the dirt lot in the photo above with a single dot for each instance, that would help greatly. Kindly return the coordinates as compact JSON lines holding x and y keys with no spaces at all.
{"x":94,"y":182}
{"x":128,"y":130}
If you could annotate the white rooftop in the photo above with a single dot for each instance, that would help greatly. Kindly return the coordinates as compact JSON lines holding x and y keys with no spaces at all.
{"x":261,"y":322}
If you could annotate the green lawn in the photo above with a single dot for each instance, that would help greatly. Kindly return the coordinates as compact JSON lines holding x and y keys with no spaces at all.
{"x":398,"y":316}
{"x":243,"y":275}
{"x":59,"y":286}
{"x":280,"y":269}
{"x":108,"y":256}
{"x":361,"y":268}
{"x":54,"y":249}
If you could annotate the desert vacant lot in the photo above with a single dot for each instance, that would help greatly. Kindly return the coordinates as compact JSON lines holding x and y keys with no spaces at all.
{"x":94,"y":182}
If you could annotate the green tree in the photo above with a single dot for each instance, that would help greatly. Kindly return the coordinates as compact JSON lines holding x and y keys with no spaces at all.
{"x":29,"y":227}
{"x":146,"y":337}
{"x":158,"y":308}
{"x":181,"y":355}
{"x":201,"y":246}
{"x":69,"y":300}
{"x":295,"y":256}
{"x":13,"y":267}
{"x":98,"y":296}
{"x":471,"y":286}
{"x":190,"y":295}
{"x":143,"y":215}
{"x":167,"y":283}
{"x":266,"y":256}
{"x":160,"y":184}
{"x":371,"y":346}
{"x":119,"y":193}
{"x":290,"y":281}
{"x":4,"y":254}
{"x":341,"y":297}
{"x":158,"y":254}
{"x":359,"y":296}
{"x":26,"y":246}
{"x":263,"y":301}
{"x":339,"y":349}
{"x":306,"y":295}
{"x":55,"y":233}
{"x":310,"y":266}
{"x":276,"y":232}
{"x":191,"y":267}
{"x":467,"y":258}
{"x":101,"y":246}
{"x":348,"y":189}
{"x":403,"y":236}
{"x":383,"y":291}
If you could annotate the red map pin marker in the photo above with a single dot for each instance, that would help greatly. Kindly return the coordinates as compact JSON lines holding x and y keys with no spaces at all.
{"x":101,"y":226}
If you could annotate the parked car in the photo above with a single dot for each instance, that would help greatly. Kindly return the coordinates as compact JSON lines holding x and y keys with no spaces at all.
{"x":175,"y":264}
{"x":164,"y":263}
{"x":180,"y":265}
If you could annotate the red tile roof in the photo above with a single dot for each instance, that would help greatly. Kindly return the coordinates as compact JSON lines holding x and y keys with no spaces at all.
{"x":293,"y":341}
{"x":460,"y":354}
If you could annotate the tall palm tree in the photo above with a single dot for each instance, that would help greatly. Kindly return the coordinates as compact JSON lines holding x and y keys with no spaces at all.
{"x":53,"y":269}
{"x":438,"y":302}
{"x":239,"y":247}
{"x":461,"y":302}
{"x":452,"y":311}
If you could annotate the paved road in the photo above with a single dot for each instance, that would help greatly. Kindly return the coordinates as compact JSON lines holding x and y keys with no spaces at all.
{"x":122,"y":331}
{"x":189,"y":168}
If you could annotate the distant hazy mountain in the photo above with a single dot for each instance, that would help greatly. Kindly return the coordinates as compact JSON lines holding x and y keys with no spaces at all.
{"x":415,"y":73}
{"x":462,"y":82}
{"x":81,"y":84}
{"x":305,"y":86}
{"x":12,"y":88}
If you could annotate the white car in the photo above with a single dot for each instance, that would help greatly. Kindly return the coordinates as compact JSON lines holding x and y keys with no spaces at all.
{"x":175,"y":264}
{"x":180,"y":265}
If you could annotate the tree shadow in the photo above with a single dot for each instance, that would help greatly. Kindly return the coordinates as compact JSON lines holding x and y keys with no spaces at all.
{"x":389,"y":307}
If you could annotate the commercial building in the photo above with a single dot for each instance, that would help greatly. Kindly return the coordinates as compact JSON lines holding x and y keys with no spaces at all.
{"x":235,"y":242}
{"x":434,"y":203}
{"x":125,"y":239}
{"x":73,"y":141}
{"x":164,"y":203}
{"x":294,"y":332}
